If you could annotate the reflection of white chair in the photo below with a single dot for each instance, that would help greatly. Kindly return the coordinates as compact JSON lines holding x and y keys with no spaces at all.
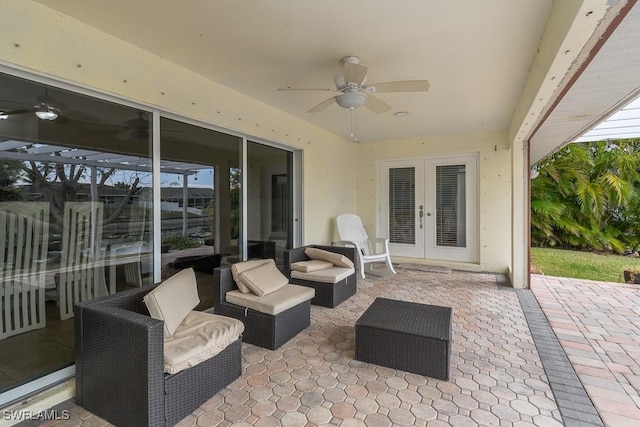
{"x":82,"y":275}
{"x":353,"y":233}
{"x":24,"y":237}
{"x":137,"y":224}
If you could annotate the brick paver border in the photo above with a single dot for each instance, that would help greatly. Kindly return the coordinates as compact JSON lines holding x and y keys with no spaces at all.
{"x":572,"y":399}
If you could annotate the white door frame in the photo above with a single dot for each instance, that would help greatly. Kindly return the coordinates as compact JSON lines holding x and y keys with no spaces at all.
{"x":424,"y":241}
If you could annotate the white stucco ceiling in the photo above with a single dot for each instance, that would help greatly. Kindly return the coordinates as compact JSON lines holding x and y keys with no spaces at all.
{"x":476,"y":55}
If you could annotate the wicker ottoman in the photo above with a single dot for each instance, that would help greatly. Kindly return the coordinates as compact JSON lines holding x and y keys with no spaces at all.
{"x":408,"y":336}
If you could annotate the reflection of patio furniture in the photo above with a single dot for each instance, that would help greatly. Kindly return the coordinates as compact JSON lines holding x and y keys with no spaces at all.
{"x":261,"y":249}
{"x":121,"y":360}
{"x":137,"y":224}
{"x":353,"y":233}
{"x":24,"y":231}
{"x":82,"y":275}
{"x":269,"y":320}
{"x":333,"y":285}
{"x":200,"y":263}
{"x":404,"y":335}
{"x":256,"y":249}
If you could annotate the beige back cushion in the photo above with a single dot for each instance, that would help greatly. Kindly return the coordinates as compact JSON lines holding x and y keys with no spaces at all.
{"x":336,"y":259}
{"x":263,"y":279}
{"x":173,"y":299}
{"x":240,"y":267}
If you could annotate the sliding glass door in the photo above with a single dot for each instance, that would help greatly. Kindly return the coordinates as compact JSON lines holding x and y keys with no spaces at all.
{"x":269,"y":185}
{"x":75,"y":211}
{"x":82,"y":209}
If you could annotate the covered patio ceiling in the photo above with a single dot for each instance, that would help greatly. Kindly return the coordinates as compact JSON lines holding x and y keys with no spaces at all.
{"x":486,"y":63}
{"x":475,"y":55}
{"x":602,"y":100}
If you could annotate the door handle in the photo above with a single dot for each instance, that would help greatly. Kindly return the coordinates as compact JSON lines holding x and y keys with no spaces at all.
{"x":421,"y":214}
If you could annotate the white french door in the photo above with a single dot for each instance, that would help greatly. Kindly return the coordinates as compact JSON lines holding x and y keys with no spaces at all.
{"x":429,"y":208}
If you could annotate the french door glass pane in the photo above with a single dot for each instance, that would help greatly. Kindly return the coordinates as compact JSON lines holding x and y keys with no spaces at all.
{"x":450,"y":206}
{"x":402,"y":205}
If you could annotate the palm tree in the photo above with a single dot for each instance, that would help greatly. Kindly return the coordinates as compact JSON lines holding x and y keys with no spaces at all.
{"x":586,"y":196}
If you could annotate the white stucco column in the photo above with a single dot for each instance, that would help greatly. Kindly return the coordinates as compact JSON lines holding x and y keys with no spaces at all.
{"x":563,"y":48}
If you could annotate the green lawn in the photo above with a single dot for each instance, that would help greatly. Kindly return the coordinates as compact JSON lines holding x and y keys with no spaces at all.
{"x":581,"y":265}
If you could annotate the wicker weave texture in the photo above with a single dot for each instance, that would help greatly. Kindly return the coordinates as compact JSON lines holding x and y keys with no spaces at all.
{"x":407,"y":336}
{"x":327,"y":295}
{"x":261,"y":329}
{"x":120,"y":371}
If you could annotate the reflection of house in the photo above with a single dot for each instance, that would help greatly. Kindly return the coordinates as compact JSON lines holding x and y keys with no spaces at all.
{"x":107,"y":194}
{"x":172,"y":199}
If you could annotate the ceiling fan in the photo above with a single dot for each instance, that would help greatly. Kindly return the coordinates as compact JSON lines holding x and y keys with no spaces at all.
{"x":139,"y":128}
{"x":45,"y":108}
{"x":353,"y":90}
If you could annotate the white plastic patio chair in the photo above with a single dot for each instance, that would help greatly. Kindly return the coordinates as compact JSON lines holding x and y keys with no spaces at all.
{"x":369,"y":250}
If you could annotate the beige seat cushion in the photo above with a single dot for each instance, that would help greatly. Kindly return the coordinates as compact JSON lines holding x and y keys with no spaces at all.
{"x":240,"y":267}
{"x":199,"y":337}
{"x":276,"y":302}
{"x":334,"y":258}
{"x":173,"y":299}
{"x":263,"y":279}
{"x":312,"y":265}
{"x":329,"y":275}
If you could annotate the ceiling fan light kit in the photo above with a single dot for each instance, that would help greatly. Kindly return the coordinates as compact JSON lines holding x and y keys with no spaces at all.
{"x":46,"y":112}
{"x":351,"y":99}
{"x":354,"y":92}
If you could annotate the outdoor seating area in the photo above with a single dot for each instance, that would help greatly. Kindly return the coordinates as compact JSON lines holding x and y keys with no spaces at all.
{"x":496,"y":375}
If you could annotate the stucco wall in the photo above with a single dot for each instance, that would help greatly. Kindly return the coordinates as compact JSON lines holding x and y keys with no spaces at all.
{"x":40,"y":40}
{"x":494,"y":185}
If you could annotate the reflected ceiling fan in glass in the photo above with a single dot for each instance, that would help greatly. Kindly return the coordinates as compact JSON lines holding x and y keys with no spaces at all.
{"x":46,"y":108}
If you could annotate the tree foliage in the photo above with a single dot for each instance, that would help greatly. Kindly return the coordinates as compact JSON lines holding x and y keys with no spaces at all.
{"x":587,"y":196}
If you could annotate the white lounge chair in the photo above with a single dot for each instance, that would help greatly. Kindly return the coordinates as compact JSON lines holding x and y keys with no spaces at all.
{"x":353,"y":233}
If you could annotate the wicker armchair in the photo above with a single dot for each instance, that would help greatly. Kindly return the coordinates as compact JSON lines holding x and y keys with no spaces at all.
{"x":327,"y":295}
{"x":120,"y":365}
{"x":261,"y":329}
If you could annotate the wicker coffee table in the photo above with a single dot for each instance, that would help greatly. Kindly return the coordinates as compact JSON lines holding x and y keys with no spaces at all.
{"x":408,"y":336}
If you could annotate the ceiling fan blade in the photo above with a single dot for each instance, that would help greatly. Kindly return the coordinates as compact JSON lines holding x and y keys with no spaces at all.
{"x":324,"y":104}
{"x":376,"y":105}
{"x":400,"y":86}
{"x":20,"y":111}
{"x":354,"y":73}
{"x":322,"y":89}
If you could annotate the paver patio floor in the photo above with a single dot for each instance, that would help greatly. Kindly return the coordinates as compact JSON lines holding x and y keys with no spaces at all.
{"x":598,"y":325}
{"x":497,"y":378}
